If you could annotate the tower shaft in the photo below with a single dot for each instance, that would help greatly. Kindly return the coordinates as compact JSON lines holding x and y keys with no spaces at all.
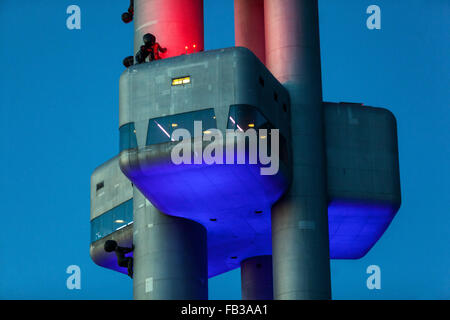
{"x":256,"y":278}
{"x":176,"y":24}
{"x":299,"y":220}
{"x":170,"y":257}
{"x":249,"y":26}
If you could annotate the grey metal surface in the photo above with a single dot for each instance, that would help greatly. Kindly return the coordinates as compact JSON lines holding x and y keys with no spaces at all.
{"x":300,"y":241}
{"x":116,"y":187}
{"x":256,"y":278}
{"x":170,"y":256}
{"x":362,"y":154}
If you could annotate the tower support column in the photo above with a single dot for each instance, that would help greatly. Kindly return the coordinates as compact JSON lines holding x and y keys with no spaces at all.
{"x":170,"y":255}
{"x":176,"y":24}
{"x":256,"y":278}
{"x":300,"y":244}
{"x":249,"y":26}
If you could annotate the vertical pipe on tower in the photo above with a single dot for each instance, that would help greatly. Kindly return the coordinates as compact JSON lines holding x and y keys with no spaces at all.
{"x":170,"y":255}
{"x":249,"y":26}
{"x":256,"y":278}
{"x":300,"y":219}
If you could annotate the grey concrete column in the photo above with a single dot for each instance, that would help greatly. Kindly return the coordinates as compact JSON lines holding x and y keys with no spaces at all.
{"x":256,"y":278}
{"x":300,"y":219}
{"x":170,"y":255}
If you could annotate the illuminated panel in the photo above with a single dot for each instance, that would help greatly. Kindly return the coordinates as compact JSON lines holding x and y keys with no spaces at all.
{"x":355,"y":226}
{"x":181,"y":81}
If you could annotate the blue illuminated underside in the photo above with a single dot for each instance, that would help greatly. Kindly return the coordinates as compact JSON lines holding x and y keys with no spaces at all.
{"x":354,"y":228}
{"x":233,"y":201}
{"x":239,"y":199}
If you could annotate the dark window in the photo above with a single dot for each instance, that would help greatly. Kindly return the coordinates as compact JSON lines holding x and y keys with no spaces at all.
{"x":242,"y":117}
{"x":284,"y":107}
{"x":261,"y":81}
{"x":100,"y":185}
{"x":127,"y":137}
{"x":112,"y":220}
{"x":160,"y":129}
{"x":275,"y":96}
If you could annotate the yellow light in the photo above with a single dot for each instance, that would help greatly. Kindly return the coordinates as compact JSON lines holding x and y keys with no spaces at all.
{"x":262,"y":137}
{"x":206,"y":132}
{"x":251,"y":125}
{"x":119,"y":221}
{"x":174,"y":125}
{"x":182,"y":80}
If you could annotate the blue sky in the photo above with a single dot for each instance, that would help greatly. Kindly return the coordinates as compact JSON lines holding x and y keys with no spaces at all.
{"x":59,"y":120}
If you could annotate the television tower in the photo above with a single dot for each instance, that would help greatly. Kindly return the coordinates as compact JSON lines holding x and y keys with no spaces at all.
{"x":335,"y":193}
